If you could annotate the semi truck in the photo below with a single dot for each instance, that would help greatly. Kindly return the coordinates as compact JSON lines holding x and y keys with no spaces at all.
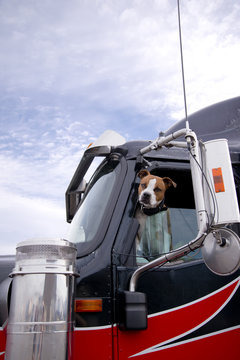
{"x":98,"y":294}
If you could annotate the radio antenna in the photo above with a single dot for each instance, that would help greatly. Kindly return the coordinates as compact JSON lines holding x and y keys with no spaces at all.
{"x":183,"y":78}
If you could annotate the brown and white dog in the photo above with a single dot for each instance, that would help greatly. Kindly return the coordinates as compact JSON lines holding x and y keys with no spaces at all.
{"x":151,"y":193}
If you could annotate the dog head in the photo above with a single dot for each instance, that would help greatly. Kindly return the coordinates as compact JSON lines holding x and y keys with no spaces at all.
{"x":152,"y":189}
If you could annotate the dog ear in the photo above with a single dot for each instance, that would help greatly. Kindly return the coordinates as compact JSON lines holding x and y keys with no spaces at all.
{"x":168,"y":182}
{"x":143,"y":173}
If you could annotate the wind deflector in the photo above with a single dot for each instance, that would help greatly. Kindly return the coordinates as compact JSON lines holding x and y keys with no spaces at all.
{"x":221,"y":120}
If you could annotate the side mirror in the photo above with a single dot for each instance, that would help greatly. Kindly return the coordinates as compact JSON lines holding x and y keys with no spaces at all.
{"x":221,"y":251}
{"x":73,"y":199}
{"x":133,"y":310}
{"x":82,"y":186}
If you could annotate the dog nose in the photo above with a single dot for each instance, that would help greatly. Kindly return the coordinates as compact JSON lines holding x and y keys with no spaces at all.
{"x":146,"y":196}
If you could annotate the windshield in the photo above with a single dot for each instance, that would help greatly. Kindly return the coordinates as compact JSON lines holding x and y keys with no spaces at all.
{"x":92,"y":216}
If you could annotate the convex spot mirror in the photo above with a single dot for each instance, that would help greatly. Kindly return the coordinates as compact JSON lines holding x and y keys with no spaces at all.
{"x":221,"y":251}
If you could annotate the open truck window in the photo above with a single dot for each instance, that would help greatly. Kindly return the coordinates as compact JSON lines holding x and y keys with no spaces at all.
{"x":171,"y":229}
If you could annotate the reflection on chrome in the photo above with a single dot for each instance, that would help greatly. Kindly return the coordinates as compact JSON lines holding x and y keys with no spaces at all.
{"x":41,"y":301}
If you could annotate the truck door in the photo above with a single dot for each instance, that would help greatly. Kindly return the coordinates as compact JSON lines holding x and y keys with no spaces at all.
{"x":192,"y":312}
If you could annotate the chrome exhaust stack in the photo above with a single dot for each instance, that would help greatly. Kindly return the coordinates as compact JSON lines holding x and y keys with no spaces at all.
{"x":41,"y":309}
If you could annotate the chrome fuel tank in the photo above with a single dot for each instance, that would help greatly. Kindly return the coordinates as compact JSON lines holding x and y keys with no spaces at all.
{"x":40,"y":320}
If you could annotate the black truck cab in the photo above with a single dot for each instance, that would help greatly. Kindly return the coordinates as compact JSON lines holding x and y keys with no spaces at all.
{"x":177,"y":307}
{"x":104,"y":228}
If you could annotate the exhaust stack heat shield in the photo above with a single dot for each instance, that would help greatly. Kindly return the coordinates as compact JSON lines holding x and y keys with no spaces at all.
{"x":40,"y":320}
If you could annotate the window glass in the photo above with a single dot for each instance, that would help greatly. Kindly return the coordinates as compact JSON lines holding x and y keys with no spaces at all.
{"x":166,"y":231}
{"x":183,"y":226}
{"x":86,"y":223}
{"x":156,"y":236}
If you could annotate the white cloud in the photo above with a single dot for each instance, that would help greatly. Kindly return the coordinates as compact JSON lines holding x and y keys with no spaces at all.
{"x":47,"y":178}
{"x":24,"y":218}
{"x":73,"y":69}
{"x":211,"y":51}
{"x":122,"y":54}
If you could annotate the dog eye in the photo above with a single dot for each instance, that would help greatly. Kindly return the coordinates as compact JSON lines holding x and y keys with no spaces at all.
{"x":143,"y":186}
{"x":157,"y":189}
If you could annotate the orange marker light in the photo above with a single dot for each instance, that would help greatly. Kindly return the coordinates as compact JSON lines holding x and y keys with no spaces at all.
{"x":89,"y":145}
{"x":218,"y":180}
{"x":88,"y":305}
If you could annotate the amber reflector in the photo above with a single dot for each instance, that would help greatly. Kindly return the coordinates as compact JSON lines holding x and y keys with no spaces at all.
{"x":88,"y":305}
{"x":218,"y":180}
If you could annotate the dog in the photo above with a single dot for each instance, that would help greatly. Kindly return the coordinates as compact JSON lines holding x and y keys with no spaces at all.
{"x":151,"y":194}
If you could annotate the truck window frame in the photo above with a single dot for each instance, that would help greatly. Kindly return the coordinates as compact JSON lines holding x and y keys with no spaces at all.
{"x":182,"y":169}
{"x":119,"y":163}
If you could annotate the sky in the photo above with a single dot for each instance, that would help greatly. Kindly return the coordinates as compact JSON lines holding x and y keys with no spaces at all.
{"x":70,"y":69}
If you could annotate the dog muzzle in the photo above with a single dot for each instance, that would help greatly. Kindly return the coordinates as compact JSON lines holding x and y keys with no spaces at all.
{"x":152,"y":211}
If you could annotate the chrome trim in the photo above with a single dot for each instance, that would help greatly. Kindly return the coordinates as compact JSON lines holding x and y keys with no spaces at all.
{"x":172,"y":255}
{"x":40,"y":321}
{"x":202,"y":218}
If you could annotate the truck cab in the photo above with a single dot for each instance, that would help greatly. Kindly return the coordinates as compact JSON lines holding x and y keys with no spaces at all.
{"x":189,"y":307}
{"x":178,"y":308}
